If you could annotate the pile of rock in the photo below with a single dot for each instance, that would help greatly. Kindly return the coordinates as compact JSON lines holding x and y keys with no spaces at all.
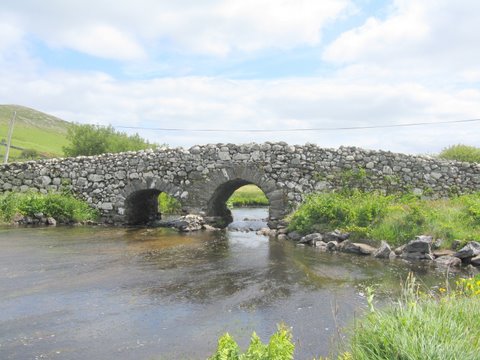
{"x":422,"y":248}
{"x":187,"y":223}
{"x":36,"y":219}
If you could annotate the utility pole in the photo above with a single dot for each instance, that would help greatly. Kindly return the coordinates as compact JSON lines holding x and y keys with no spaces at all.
{"x":9,"y":140}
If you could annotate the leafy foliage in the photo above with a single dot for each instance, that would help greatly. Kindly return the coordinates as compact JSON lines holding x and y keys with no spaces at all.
{"x":168,"y":204}
{"x":94,"y":140}
{"x":394,"y":218}
{"x":63,"y":207}
{"x":461,"y":153}
{"x":280,"y":347}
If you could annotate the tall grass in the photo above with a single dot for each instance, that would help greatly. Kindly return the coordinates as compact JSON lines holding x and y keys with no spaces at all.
{"x":394,"y":218}
{"x":63,"y":207}
{"x":422,"y":326}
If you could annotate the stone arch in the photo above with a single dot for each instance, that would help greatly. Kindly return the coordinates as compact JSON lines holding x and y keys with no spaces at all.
{"x":141,"y":199}
{"x":214,"y":193}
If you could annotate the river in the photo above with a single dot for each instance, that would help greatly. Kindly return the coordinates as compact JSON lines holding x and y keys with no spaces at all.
{"x":122,"y":293}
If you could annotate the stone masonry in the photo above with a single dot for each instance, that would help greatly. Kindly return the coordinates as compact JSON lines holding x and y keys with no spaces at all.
{"x":124,"y":187}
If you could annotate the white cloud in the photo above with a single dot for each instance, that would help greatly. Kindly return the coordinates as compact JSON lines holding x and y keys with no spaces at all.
{"x":100,"y":40}
{"x":218,"y":27}
{"x":429,"y":36}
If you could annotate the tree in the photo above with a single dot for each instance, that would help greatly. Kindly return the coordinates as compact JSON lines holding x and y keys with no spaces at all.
{"x":89,"y":140}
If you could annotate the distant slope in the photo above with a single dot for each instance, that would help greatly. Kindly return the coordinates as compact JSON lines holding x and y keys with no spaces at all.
{"x":33,"y":130}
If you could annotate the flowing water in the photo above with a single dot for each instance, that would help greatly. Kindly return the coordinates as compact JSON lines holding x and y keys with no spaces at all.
{"x":117,"y":293}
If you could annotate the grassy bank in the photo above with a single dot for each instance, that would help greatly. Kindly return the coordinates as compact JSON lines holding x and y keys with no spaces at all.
{"x":422,"y":325}
{"x":248,"y":195}
{"x":62,"y":207}
{"x":394,"y":218}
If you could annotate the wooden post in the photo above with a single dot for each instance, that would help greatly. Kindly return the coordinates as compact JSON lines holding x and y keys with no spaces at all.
{"x":9,"y":140}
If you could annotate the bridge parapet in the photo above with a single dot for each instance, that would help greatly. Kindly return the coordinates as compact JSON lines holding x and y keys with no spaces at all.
{"x":202,"y":177}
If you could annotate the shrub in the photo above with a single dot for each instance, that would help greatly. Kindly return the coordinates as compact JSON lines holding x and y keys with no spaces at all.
{"x":280,"y":347}
{"x":461,"y":153}
{"x":29,"y":154}
{"x":63,"y":207}
{"x":94,"y":140}
{"x":168,"y":204}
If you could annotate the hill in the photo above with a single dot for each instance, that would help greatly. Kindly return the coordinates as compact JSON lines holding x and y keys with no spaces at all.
{"x":33,"y":130}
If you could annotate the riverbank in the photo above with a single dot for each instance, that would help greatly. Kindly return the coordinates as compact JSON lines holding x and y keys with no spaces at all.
{"x":396,"y":219}
{"x":32,"y":208}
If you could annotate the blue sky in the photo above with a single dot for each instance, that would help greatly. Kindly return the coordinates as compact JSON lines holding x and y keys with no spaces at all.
{"x":248,"y":64}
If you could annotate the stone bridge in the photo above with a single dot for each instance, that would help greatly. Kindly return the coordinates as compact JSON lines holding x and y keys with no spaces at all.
{"x":124,"y":187}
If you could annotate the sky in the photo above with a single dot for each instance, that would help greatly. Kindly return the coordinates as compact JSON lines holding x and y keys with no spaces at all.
{"x":240,"y":65}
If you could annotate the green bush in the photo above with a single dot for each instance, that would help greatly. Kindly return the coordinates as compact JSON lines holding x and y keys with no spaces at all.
{"x":168,"y":204}
{"x":461,"y":153}
{"x":63,"y":207}
{"x":394,"y":218}
{"x":421,"y":326}
{"x":280,"y":347}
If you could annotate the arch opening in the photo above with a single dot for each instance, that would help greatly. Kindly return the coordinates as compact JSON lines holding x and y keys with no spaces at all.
{"x":218,"y":210}
{"x":146,"y":206}
{"x":141,"y":207}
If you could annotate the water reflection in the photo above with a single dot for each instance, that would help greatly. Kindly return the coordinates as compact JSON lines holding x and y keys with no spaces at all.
{"x":143,"y":293}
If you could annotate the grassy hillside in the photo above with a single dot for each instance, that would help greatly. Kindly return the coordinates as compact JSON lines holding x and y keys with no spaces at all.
{"x":33,"y":130}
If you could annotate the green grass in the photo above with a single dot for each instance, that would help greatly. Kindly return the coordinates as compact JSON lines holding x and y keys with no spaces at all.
{"x":33,"y":130}
{"x":421,"y":325}
{"x":63,"y":207}
{"x":248,"y":195}
{"x":461,"y":153}
{"x":394,"y":218}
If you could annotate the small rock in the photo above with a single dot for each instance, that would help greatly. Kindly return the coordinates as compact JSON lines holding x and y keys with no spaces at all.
{"x":456,"y":244}
{"x":207,"y":227}
{"x":320,"y":245}
{"x":443,"y":252}
{"x":475,"y":261}
{"x":336,"y":235}
{"x":414,"y":256}
{"x":383,"y":252}
{"x":311,"y":238}
{"x":51,"y":221}
{"x":332,"y":246}
{"x":472,"y":249}
{"x":420,"y":244}
{"x":295,"y":236}
{"x":399,"y":250}
{"x":448,"y":260}
{"x":282,"y":237}
{"x":356,"y":248}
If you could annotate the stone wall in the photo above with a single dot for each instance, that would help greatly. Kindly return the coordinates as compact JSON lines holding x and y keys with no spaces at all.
{"x":124,"y":186}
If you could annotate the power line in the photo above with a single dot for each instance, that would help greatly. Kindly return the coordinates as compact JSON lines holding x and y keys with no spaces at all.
{"x":300,"y":130}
